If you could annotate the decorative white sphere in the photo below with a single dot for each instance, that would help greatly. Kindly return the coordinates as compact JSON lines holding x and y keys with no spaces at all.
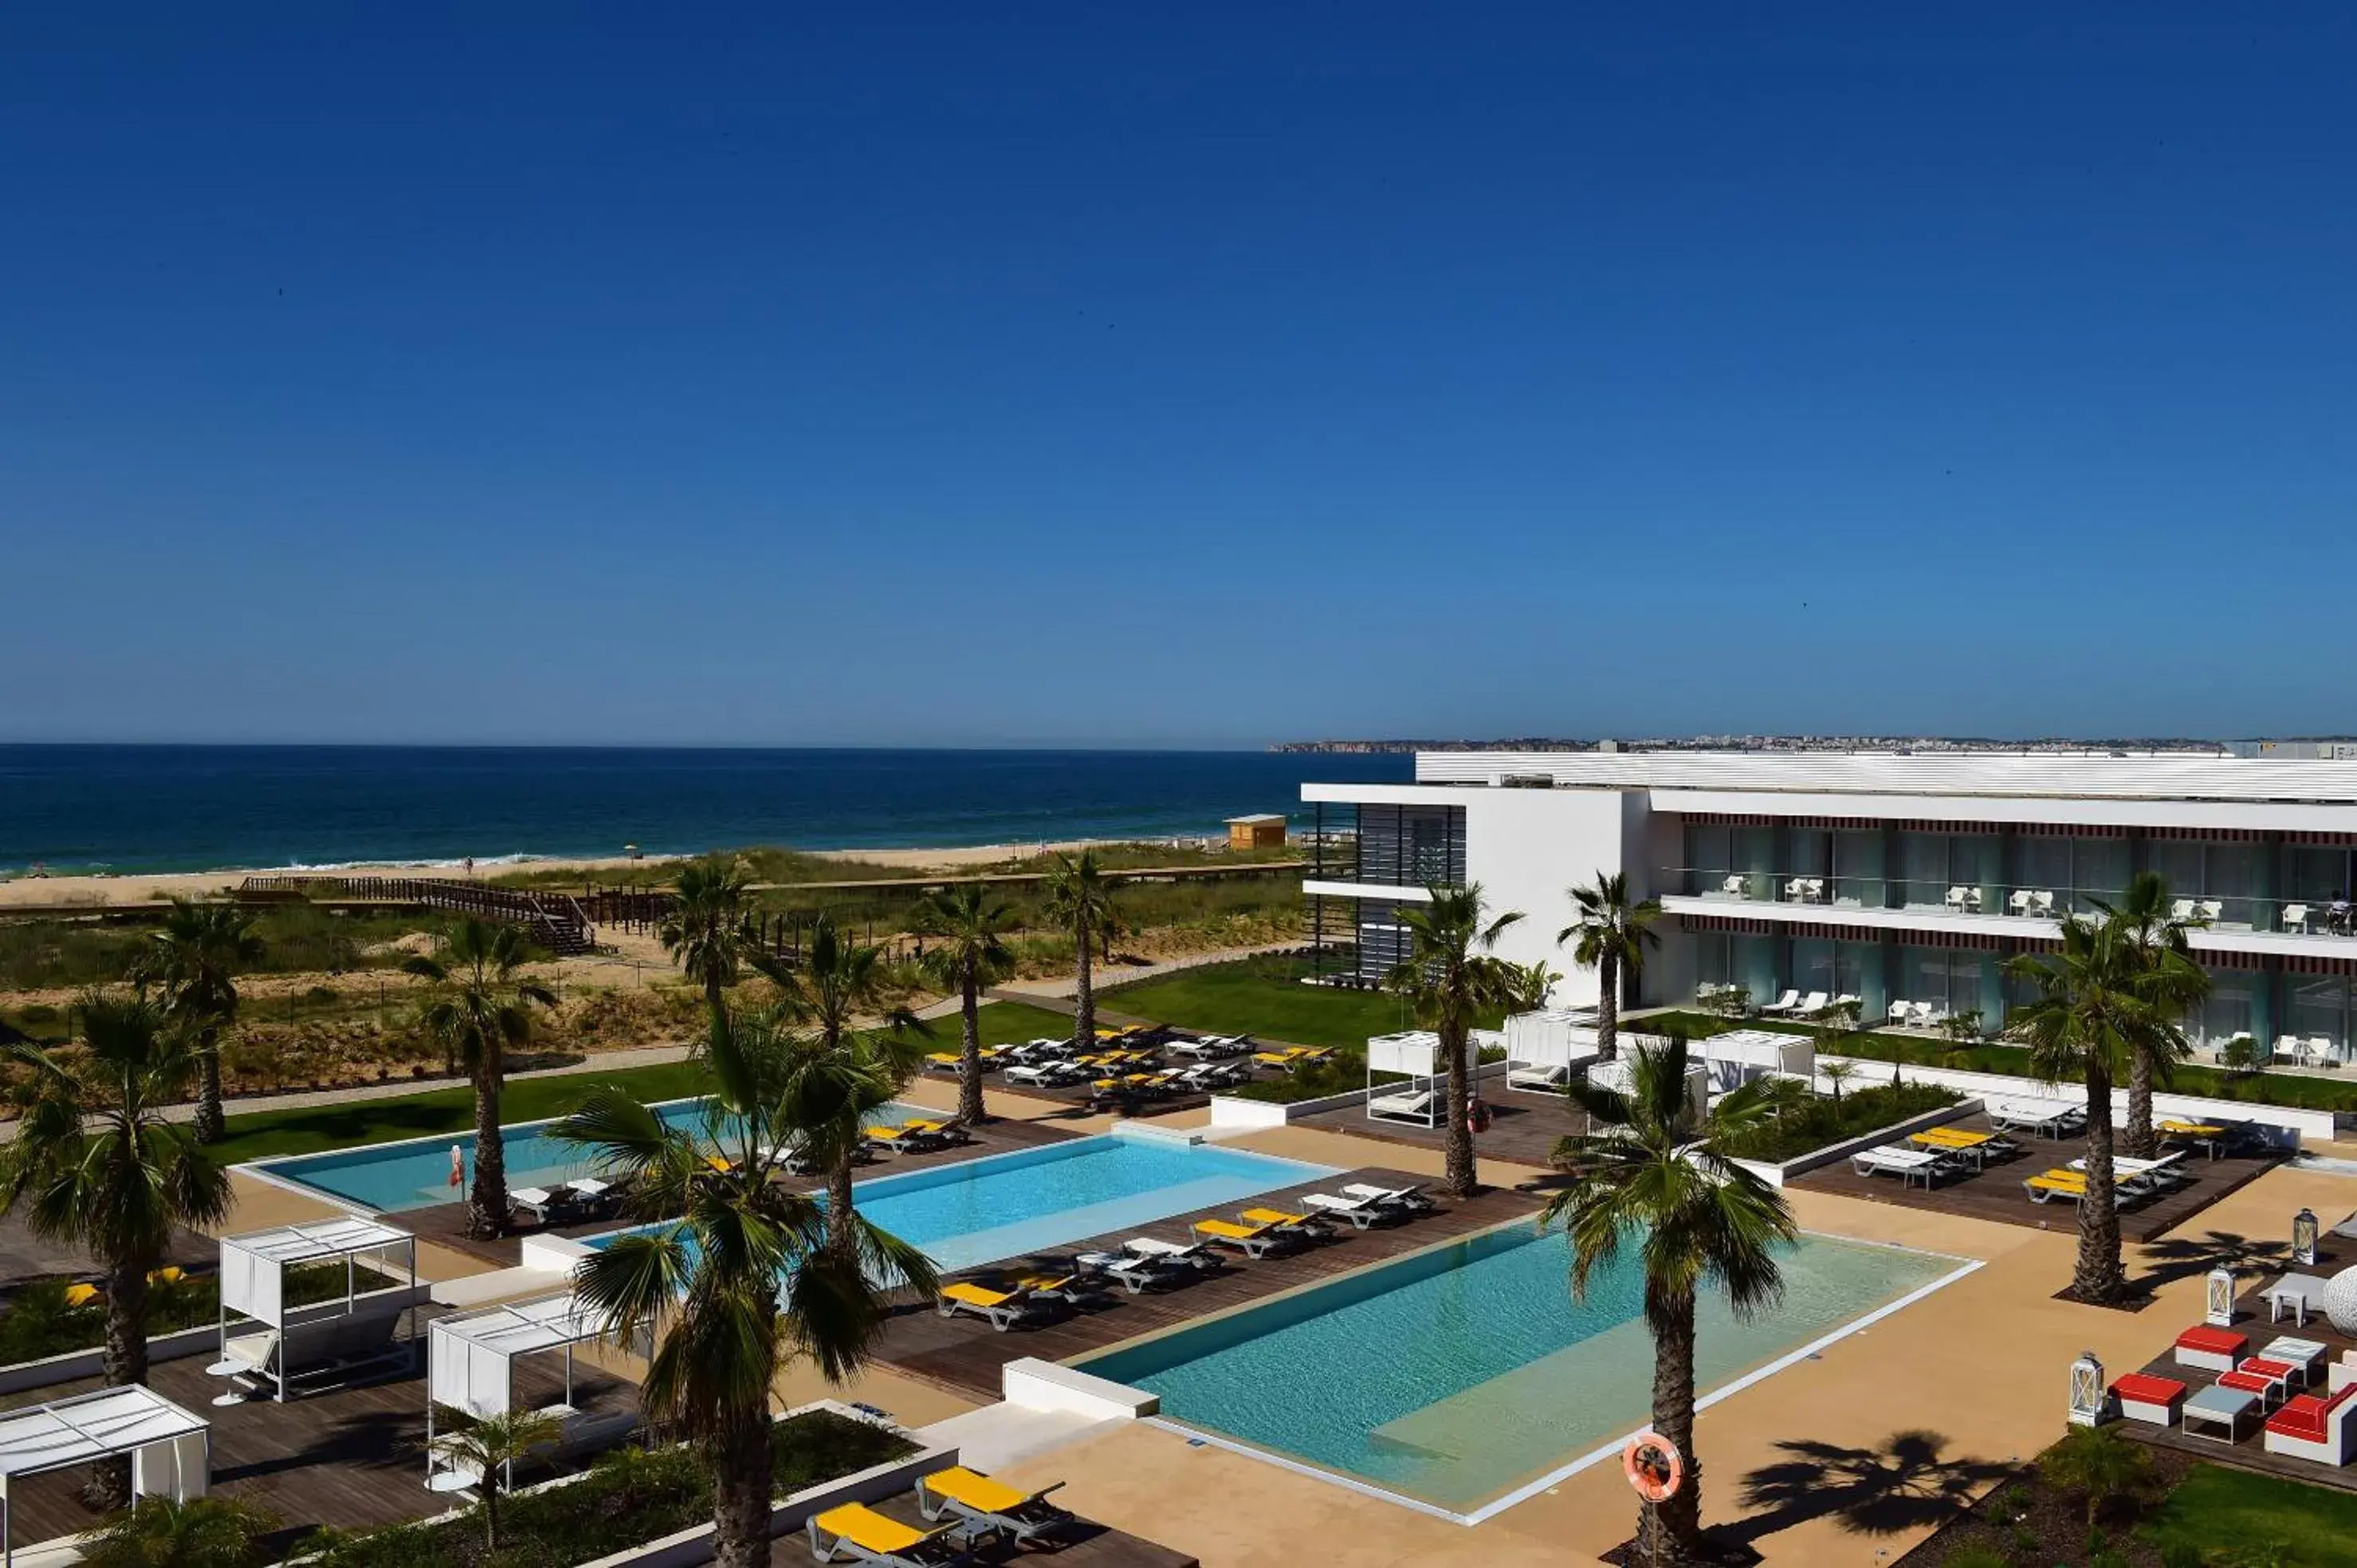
{"x":2340,"y":1300}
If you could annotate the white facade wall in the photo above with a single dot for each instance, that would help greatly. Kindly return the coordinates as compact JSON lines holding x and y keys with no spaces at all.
{"x":1527,"y":848}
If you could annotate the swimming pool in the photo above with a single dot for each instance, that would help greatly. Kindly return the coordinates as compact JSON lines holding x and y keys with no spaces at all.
{"x":415,"y":1172}
{"x":1459,"y":1374}
{"x":978,"y":1211}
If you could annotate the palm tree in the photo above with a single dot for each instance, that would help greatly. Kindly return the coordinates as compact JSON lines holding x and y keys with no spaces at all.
{"x":2099,"y":1464}
{"x":705,"y":929}
{"x":1837,"y":1074}
{"x":1448,"y":979}
{"x":710,"y":1279}
{"x":1612,"y":935}
{"x":160,"y":1532}
{"x":1651,"y":1174}
{"x":193,"y":962}
{"x":1528,"y":985}
{"x":1080,"y":900}
{"x":841,"y":1072}
{"x":95,"y":1165}
{"x":490,"y":1446}
{"x":966,"y":923}
{"x":479,"y":1010}
{"x":2177,"y":984}
{"x":2095,"y":1000}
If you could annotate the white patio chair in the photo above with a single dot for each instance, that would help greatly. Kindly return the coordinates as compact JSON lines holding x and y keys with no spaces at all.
{"x":1796,"y":891}
{"x":2019,"y":900}
{"x":2181,"y":911}
{"x":1732,"y":887}
{"x":1956,"y":897}
{"x":1901,"y":1013}
{"x":2295,"y":917}
{"x":2212,"y":910}
{"x":2290,"y":1046}
{"x":2041,"y":903}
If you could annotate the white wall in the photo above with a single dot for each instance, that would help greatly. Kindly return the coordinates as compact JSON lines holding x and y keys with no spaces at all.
{"x":1528,"y":848}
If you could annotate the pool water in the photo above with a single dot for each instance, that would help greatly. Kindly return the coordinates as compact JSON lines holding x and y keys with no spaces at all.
{"x":1457,"y":1374}
{"x":978,"y":1211}
{"x":415,"y":1172}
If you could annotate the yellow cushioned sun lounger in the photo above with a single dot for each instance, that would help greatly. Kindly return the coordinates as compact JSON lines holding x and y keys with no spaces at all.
{"x":1002,"y":1308}
{"x":984,"y":1504}
{"x":2047,"y":1186}
{"x":1273,"y":1218}
{"x":860,"y":1532}
{"x":944,"y":1059}
{"x":80,"y":1295}
{"x":171,"y":1275}
{"x":1254,"y":1241}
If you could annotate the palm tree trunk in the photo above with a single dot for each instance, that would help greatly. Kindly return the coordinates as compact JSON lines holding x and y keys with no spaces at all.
{"x":487,"y":1208}
{"x":842,"y":1229}
{"x":209,"y":1124}
{"x":2139,"y":1132}
{"x":491,"y":1511}
{"x":2098,"y":1278}
{"x":1084,"y":1009}
{"x":1608,"y":1005}
{"x":970,"y":1050}
{"x":125,"y":1361}
{"x":713,"y":997}
{"x":1670,"y":1532}
{"x":1462,"y":1177}
{"x":740,"y":1492}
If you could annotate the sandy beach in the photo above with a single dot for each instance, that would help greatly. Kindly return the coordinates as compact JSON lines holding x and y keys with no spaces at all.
{"x":104,"y":891}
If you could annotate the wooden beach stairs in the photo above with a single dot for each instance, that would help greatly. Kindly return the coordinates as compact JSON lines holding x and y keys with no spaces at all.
{"x":554,"y":920}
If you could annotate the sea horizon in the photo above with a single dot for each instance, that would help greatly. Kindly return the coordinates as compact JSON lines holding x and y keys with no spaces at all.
{"x":132,"y":808}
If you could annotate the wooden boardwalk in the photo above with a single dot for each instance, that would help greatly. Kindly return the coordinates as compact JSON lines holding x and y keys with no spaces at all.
{"x":445,"y":1224}
{"x":1997,"y":1193}
{"x":965,"y":1354}
{"x":351,"y":1458}
{"x":1523,"y":1127}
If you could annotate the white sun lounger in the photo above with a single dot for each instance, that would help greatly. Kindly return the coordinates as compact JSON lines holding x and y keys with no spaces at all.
{"x":2051,"y":1118}
{"x":1195,"y":1255}
{"x":1404,"y":1107}
{"x":1409,"y":1197}
{"x":1210,"y":1047}
{"x":1361,"y":1212}
{"x":1137,"y":1272}
{"x":1538,"y":1079}
{"x":1907,"y":1165}
{"x":2133,"y":1174}
{"x":1783,"y":1003}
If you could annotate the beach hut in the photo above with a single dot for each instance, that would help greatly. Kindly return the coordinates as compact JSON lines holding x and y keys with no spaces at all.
{"x":470,"y":1367}
{"x":324,"y":1342}
{"x":1263,"y":831}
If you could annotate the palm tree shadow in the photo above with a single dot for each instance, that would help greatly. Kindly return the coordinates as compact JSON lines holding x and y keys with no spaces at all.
{"x":1903,"y":1483}
{"x":2183,"y":1257}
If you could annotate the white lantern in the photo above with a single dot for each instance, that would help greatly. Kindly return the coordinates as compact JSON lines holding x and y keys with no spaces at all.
{"x":2218,"y":1304}
{"x":2086,"y":1390}
{"x":2303,"y":1236}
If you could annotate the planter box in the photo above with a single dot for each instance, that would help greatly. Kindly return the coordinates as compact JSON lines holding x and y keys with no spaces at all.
{"x":2287,"y":1126}
{"x":1777,"y":1175}
{"x":177,"y":1346}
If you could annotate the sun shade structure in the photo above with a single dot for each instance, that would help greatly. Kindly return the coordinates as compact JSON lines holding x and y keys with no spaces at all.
{"x":1411,"y":1054}
{"x":319,"y":1339}
{"x":470,"y":1367}
{"x":170,"y":1448}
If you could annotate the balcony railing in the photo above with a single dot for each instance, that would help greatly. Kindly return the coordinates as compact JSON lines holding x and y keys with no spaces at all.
{"x":2294,"y":917}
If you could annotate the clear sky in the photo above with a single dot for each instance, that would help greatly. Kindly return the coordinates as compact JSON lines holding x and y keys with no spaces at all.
{"x":1191,"y":374}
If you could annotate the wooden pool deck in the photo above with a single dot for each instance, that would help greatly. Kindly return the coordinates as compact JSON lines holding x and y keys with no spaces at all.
{"x":351,"y":1458}
{"x":1996,"y":1193}
{"x":964,"y":1353}
{"x":1524,"y":1126}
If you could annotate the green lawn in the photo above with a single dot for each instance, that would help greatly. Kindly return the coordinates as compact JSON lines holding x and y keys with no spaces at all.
{"x":262,"y":1133}
{"x":2229,"y":1512}
{"x":1264,"y":997}
{"x":2259,"y":1089}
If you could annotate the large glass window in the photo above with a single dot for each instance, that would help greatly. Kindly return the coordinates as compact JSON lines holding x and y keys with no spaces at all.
{"x":2043,"y":865}
{"x":2318,"y":1005}
{"x":2099,"y":869}
{"x":2232,"y":1008}
{"x":1715,"y":959}
{"x":1923,"y":870}
{"x":1710,"y":855}
{"x":2316,"y":872}
{"x":1857,"y":868}
{"x":2179,"y":862}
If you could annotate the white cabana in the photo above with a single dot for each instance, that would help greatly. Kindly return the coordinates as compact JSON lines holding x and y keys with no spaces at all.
{"x":1543,"y":1048}
{"x":470,"y":1367}
{"x":170,"y":1448}
{"x":1411,"y":1056}
{"x":1618,"y":1076}
{"x":323,"y":1338}
{"x":1740,"y":1056}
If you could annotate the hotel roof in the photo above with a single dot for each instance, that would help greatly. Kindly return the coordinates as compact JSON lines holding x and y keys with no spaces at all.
{"x":2158,"y":776}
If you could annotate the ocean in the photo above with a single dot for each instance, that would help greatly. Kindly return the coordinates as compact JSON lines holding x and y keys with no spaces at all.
{"x":132,"y":809}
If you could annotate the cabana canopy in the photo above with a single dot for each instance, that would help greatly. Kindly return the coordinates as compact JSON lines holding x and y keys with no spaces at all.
{"x":1742,"y":1055}
{"x":1554,"y":1036}
{"x":170,"y":1448}
{"x":337,"y":1332}
{"x":470,"y":1367}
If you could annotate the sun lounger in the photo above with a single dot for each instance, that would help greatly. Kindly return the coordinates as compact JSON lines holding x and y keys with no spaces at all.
{"x":1212,"y":1047}
{"x":1049,"y":1074}
{"x":1253,"y":1240}
{"x":1001,"y":1308}
{"x":2133,"y":1175}
{"x":1361,"y":1212}
{"x":947,"y":1061}
{"x":326,"y":1352}
{"x":948,"y":1131}
{"x":596,"y":1198}
{"x":1538,"y":1079}
{"x":1784,"y":1004}
{"x":856,"y":1532}
{"x":1413,"y":1198}
{"x":980,"y":1505}
{"x":1195,"y":1255}
{"x":2046,"y":1118}
{"x":1907,"y":1165}
{"x":548,"y":1208}
{"x":1974,"y":1148}
{"x":2049,"y":1185}
{"x":909,"y":1137}
{"x":2210,"y":1137}
{"x":1417,"y":1107}
{"x":1284,"y":1219}
{"x":1135,"y":1275}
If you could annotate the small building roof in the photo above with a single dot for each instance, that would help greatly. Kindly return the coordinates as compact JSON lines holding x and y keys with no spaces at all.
{"x":519,"y":1329}
{"x":96,"y":1426}
{"x":1258,"y":817}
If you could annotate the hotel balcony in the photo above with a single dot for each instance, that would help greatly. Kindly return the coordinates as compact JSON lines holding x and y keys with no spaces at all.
{"x":2319,"y":927}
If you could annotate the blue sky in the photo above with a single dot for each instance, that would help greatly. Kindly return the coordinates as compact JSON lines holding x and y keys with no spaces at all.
{"x":1197,"y":375}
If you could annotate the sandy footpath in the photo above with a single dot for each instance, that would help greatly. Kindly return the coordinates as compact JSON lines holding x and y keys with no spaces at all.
{"x":99,"y":891}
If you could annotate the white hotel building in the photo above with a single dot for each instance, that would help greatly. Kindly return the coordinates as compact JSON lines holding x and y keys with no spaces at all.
{"x":1886,"y":876}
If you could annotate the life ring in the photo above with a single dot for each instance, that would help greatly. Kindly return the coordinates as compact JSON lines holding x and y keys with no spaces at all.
{"x":1654,"y":1467}
{"x":457,"y":1167}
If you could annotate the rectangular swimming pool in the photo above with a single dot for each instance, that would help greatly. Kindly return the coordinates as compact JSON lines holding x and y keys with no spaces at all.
{"x":415,"y":1172}
{"x":978,"y":1211}
{"x":1456,"y":1375}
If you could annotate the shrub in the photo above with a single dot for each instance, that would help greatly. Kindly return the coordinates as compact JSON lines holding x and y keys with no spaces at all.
{"x":157,"y":1532}
{"x":1813,"y":1121}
